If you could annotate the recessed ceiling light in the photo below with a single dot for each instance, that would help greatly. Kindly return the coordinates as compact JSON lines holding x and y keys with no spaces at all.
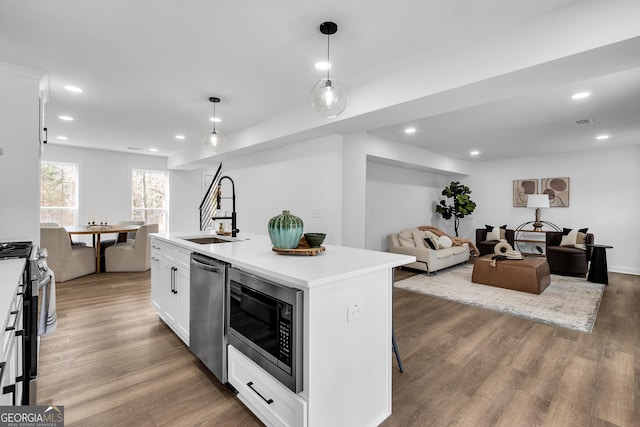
{"x":410,"y":130}
{"x":602,"y":137}
{"x":323,"y":65}
{"x":153,"y":149}
{"x":61,"y":138}
{"x":474,"y":152}
{"x":73,"y":89}
{"x":215,"y":119}
{"x":180,"y":136}
{"x":66,"y":118}
{"x":581,"y":95}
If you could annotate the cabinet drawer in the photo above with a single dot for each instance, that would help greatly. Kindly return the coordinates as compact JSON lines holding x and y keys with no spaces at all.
{"x":169,"y":251}
{"x":269,"y":400}
{"x":184,"y":258}
{"x":156,"y":247}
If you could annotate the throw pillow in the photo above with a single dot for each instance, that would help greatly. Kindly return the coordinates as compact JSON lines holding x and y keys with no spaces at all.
{"x":431,"y":242}
{"x":495,"y":233}
{"x":444,"y":242}
{"x":431,"y":234}
{"x":418,"y":238}
{"x":582,"y":236}
{"x":570,"y":237}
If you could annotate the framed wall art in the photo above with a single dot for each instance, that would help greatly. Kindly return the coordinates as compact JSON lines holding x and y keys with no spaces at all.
{"x":521,"y":189}
{"x":558,"y":191}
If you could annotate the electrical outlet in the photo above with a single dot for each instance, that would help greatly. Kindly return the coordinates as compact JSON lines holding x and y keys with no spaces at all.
{"x":354,"y":311}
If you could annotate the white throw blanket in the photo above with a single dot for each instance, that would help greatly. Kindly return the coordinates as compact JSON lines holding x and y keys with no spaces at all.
{"x":48,"y":316}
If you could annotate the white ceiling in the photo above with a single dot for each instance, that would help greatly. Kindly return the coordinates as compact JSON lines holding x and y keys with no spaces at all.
{"x":495,"y":76}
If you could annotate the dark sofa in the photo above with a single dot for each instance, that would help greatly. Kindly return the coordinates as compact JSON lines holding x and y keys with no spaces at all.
{"x":486,"y":246}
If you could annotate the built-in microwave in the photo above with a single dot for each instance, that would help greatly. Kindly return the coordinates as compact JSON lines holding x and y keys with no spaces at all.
{"x":265,"y":323}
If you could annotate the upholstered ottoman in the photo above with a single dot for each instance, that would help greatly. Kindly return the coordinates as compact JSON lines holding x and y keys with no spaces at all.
{"x":530,"y":274}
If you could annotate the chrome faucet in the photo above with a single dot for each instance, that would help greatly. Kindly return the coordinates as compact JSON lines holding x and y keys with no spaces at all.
{"x":234,"y":229}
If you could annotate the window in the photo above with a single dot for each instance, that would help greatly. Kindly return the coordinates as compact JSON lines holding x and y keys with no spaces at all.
{"x":150,"y":197}
{"x":59,"y":193}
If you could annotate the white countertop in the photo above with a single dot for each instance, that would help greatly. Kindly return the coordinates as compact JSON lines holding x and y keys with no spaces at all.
{"x":10,"y":275}
{"x":253,"y":253}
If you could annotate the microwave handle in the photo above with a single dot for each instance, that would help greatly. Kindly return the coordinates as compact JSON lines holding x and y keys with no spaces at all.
{"x":206,"y":266}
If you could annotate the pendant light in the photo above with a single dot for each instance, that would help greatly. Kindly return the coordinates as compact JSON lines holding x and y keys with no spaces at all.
{"x":328,"y":96}
{"x":214,"y":139}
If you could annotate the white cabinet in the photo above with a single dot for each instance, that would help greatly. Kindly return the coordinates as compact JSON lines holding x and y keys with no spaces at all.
{"x":170,"y":286}
{"x":12,"y":338}
{"x":339,"y":389}
{"x":175,"y":281}
{"x":272,"y":402}
{"x":157,"y":293}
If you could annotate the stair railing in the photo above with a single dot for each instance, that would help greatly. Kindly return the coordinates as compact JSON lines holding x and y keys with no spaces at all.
{"x":209,"y":205}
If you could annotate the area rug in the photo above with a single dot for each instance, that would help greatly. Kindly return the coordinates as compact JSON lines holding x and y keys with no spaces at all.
{"x":568,"y":302}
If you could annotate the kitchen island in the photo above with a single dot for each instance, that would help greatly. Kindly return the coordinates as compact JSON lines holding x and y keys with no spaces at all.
{"x":346,"y":331}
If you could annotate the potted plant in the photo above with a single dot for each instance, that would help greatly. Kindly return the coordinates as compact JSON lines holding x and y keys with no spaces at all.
{"x":462,"y":203}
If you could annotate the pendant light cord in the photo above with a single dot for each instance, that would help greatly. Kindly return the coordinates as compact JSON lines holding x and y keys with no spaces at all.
{"x":328,"y":62}
{"x":214,"y":117}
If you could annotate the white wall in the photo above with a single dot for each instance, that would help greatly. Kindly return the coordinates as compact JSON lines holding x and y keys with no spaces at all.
{"x":105,"y":184}
{"x":315,"y":177}
{"x":399,"y":199}
{"x":184,"y":200}
{"x":362,"y":148}
{"x":329,"y":176}
{"x":19,"y":165}
{"x":304,"y":178}
{"x":603,"y":196}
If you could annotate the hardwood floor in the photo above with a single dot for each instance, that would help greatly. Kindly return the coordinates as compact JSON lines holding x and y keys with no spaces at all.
{"x":112,"y":362}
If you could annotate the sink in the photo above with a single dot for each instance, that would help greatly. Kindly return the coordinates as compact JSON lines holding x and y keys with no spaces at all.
{"x":206,"y":240}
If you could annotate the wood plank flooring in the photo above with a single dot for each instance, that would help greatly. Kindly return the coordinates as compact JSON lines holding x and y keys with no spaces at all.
{"x":112,"y":362}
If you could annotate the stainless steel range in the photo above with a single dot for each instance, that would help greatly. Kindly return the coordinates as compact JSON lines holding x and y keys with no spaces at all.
{"x":34,"y":275}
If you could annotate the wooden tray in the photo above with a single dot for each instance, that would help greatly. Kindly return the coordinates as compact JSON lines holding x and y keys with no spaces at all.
{"x":302,"y":249}
{"x":299,"y":251}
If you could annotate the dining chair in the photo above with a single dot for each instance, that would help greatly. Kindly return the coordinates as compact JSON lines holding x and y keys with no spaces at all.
{"x":66,"y":260}
{"x":49,"y":224}
{"x":132,"y":255}
{"x":104,"y":244}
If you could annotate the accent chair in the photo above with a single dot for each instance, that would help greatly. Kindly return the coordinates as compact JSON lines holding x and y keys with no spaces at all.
{"x":66,"y":260}
{"x":567,"y":260}
{"x":132,"y":255}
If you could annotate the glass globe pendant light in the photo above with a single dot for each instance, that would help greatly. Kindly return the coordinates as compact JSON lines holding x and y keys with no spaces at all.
{"x":328,"y":96}
{"x":214,"y":139}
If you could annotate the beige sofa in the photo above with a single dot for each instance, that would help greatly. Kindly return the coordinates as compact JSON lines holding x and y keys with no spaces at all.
{"x":66,"y":260}
{"x":412,"y":242}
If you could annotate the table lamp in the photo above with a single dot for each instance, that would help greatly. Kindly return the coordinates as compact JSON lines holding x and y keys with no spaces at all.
{"x":537,"y":201}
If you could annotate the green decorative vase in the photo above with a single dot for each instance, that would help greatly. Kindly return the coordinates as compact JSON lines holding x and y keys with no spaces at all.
{"x":285,"y":230}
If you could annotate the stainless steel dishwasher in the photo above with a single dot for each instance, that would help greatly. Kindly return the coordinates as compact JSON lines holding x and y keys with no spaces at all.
{"x":207,"y":336}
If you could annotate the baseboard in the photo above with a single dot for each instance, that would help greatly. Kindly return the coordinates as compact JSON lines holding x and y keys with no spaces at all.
{"x":624,"y":270}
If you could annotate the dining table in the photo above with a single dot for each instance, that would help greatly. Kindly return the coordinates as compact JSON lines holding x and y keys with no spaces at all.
{"x":96,"y":230}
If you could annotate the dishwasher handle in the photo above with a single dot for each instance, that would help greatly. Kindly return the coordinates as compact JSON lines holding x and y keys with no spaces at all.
{"x":207,"y":267}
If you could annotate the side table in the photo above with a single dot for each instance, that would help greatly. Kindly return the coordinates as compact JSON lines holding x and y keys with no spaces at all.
{"x":532,"y":242}
{"x":598,"y":268}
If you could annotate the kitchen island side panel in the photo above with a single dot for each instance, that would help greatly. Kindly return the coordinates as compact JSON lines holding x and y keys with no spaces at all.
{"x":348,"y":358}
